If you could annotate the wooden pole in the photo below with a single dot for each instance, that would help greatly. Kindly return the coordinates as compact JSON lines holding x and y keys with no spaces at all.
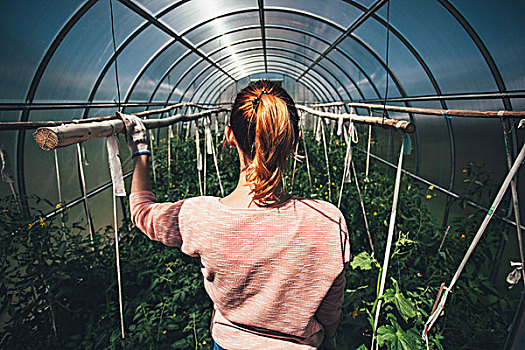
{"x":426,"y":111}
{"x":49,"y":138}
{"x":401,"y":125}
{"x":36,"y":125}
{"x":429,"y":111}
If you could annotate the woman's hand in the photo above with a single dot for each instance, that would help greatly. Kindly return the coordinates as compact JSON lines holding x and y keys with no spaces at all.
{"x":137,"y":140}
{"x":136,"y":135}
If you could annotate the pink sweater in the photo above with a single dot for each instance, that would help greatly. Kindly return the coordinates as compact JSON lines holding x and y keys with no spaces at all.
{"x":275,"y":274}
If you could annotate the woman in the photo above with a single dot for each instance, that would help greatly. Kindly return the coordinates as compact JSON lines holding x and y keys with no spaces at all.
{"x":273,"y":264}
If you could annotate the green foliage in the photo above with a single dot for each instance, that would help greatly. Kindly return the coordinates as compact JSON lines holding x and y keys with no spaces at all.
{"x":364,"y":261}
{"x":58,"y":290}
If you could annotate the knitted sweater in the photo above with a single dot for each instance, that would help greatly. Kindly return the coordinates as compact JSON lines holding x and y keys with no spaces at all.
{"x":275,"y":274}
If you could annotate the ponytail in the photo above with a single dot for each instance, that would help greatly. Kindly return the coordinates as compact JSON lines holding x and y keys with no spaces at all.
{"x":265,"y":124}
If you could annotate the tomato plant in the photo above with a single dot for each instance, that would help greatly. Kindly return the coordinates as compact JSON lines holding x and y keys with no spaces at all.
{"x":57,"y":290}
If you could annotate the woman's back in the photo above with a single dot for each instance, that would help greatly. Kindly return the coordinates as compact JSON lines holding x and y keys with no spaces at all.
{"x":267,"y":270}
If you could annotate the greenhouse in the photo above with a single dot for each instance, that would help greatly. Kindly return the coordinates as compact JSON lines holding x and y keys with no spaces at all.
{"x":407,"y":120}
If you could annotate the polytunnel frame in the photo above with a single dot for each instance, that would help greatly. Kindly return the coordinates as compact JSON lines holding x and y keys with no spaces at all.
{"x":197,"y":76}
{"x":141,"y":28}
{"x":158,"y":53}
{"x":254,"y":70}
{"x":293,"y":52}
{"x":233,"y":13}
{"x":464,"y":24}
{"x":50,"y":52}
{"x":276,"y":48}
{"x":244,"y":28}
{"x":194,"y":79}
{"x":153,"y":20}
{"x":318,"y":92}
{"x":273,"y":55}
{"x":493,"y":68}
{"x":219,"y":88}
{"x":367,"y":47}
{"x":300,"y":31}
{"x":362,"y":18}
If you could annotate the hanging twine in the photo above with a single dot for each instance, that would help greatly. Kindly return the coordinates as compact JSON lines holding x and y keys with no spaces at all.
{"x":115,"y":169}
{"x":199,"y":158}
{"x":83,"y":184}
{"x":384,"y":270}
{"x":307,"y":160}
{"x":326,"y":159}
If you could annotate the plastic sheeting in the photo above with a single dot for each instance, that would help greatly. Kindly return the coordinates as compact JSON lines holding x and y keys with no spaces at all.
{"x":442,"y":54}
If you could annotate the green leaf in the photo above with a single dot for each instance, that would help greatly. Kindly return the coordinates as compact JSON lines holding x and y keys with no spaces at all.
{"x":386,"y":335}
{"x":389,"y":296}
{"x":404,"y":306}
{"x":398,"y":339}
{"x":408,"y":340}
{"x":363,"y":261}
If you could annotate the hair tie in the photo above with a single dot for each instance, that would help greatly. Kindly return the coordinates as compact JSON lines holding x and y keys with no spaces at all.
{"x":258,"y":99}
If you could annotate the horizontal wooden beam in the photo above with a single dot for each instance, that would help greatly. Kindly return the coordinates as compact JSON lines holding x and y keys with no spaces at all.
{"x":401,"y":125}
{"x":36,"y":125}
{"x":49,"y":138}
{"x":427,"y":111}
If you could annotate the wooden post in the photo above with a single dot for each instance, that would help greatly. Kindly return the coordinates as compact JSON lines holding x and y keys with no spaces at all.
{"x":429,"y":111}
{"x":401,"y":125}
{"x":49,"y":138}
{"x":35,"y":125}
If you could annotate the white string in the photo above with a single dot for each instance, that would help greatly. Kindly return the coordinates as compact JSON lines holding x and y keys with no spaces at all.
{"x":477,"y":237}
{"x":346,"y":167}
{"x":216,"y":120}
{"x":348,"y":157}
{"x":206,"y":121}
{"x":59,"y":189}
{"x":435,"y":315}
{"x":514,"y":276}
{"x":117,"y":180}
{"x":307,"y":161}
{"x":151,"y":139}
{"x":214,"y":153}
{"x":57,"y":171}
{"x":352,"y":131}
{"x":340,"y":125}
{"x":118,"y":265}
{"x":388,"y":248}
{"x":170,"y":136}
{"x":318,"y":130}
{"x":188,"y":127}
{"x":204,"y":162}
{"x":83,"y":184}
{"x":295,"y":161}
{"x":327,"y":161}
{"x":368,"y":150}
{"x":199,"y":157}
{"x":364,"y":211}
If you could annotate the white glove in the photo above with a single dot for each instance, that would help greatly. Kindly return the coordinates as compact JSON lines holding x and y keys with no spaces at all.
{"x":136,"y":135}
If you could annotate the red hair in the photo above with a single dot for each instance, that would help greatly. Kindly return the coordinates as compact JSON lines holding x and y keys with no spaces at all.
{"x":265,"y":123}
